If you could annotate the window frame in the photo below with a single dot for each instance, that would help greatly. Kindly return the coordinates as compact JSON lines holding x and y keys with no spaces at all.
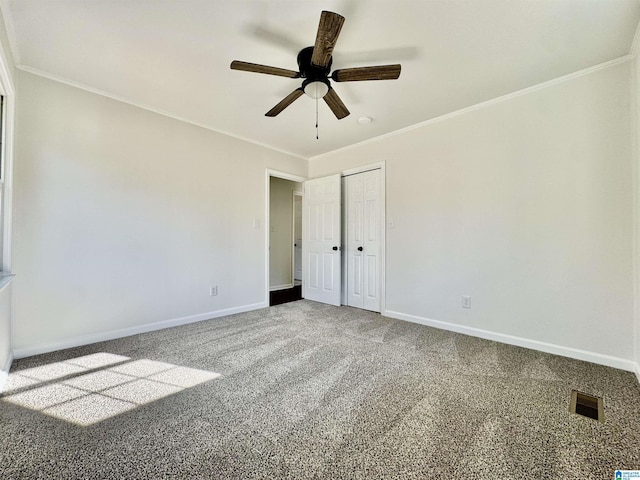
{"x":8,"y":92}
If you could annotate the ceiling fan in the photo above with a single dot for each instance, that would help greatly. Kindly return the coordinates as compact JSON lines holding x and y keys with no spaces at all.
{"x":314,"y":65}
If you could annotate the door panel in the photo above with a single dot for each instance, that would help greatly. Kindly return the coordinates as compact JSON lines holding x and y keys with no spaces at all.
{"x":314,"y":261}
{"x":372,"y":284}
{"x":363,"y":244}
{"x":354,"y":192}
{"x":321,"y":240}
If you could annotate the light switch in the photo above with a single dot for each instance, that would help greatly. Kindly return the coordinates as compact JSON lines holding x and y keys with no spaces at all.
{"x":466,"y":301}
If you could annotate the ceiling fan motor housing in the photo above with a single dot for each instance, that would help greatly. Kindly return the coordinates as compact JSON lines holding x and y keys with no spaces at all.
{"x":312,"y":73}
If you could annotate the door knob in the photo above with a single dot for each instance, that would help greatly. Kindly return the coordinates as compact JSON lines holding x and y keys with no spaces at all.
{"x":335,"y":248}
{"x":359,"y":249}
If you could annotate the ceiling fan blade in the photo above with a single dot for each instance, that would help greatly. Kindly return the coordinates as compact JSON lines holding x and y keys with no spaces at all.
{"x":254,"y":67}
{"x":328,"y":31}
{"x":381,"y":72}
{"x":286,"y":101}
{"x":335,"y":104}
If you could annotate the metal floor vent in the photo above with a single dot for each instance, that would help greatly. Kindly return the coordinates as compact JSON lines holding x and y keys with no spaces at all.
{"x":587,"y":405}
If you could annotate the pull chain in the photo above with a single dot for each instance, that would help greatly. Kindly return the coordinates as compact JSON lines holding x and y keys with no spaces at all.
{"x":317,"y":135}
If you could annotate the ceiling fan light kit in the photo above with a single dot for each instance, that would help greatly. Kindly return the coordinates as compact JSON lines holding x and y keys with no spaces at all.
{"x":315,"y":89}
{"x":314,"y":65}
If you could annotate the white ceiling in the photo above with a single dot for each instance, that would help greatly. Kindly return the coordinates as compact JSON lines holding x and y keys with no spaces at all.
{"x":173,"y":56}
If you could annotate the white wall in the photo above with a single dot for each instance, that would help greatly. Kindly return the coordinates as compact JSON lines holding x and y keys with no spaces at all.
{"x":125,"y":218}
{"x":524,"y":204}
{"x":281,"y":231}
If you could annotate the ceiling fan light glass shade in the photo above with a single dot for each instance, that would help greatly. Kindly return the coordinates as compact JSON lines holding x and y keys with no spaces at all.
{"x":316,"y":90}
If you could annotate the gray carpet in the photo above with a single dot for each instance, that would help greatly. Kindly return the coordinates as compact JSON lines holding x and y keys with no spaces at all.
{"x":313,"y":391}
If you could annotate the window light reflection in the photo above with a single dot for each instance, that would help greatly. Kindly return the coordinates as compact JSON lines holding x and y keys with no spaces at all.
{"x":113,"y":384}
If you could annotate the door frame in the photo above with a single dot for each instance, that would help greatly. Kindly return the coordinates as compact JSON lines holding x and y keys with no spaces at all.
{"x":285,"y":176}
{"x":383,"y":234}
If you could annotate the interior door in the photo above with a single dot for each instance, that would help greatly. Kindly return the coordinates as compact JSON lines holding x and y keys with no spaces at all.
{"x":321,"y":248}
{"x":363,"y":240}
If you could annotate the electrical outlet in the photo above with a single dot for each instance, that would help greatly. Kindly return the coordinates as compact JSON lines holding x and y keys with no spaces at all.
{"x":466,"y":301}
{"x":213,"y":290}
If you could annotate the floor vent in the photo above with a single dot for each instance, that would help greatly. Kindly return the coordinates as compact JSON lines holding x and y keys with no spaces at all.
{"x":587,"y":405}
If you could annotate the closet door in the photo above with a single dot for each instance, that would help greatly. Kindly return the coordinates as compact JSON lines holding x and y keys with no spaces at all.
{"x":363,"y":239}
{"x":321,"y":240}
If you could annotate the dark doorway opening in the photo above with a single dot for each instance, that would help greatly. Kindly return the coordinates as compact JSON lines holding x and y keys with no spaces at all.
{"x":285,"y":296}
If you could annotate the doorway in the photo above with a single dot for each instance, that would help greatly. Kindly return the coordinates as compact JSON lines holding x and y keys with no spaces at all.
{"x":283,"y":235}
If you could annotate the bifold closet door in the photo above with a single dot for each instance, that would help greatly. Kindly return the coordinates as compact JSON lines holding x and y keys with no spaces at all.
{"x":363,"y":239}
{"x":321,"y":240}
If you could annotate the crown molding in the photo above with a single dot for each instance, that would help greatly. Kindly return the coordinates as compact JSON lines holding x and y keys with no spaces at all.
{"x":487,"y":103}
{"x":446,"y":116}
{"x":102,"y":93}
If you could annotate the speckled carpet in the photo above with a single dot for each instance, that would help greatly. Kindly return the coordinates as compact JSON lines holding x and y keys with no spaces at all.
{"x":304,"y":390}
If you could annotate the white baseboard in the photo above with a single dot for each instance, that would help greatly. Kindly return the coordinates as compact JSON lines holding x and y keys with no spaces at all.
{"x":592,"y":357}
{"x":4,"y":372}
{"x":281,"y":287}
{"x":7,"y":366}
{"x":126,"y":332}
{"x":637,"y":371}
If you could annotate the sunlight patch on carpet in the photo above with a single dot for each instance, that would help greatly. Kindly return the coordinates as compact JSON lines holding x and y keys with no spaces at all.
{"x":89,"y":389}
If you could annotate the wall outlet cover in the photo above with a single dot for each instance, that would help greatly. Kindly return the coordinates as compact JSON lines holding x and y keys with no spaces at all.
{"x":466,"y":301}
